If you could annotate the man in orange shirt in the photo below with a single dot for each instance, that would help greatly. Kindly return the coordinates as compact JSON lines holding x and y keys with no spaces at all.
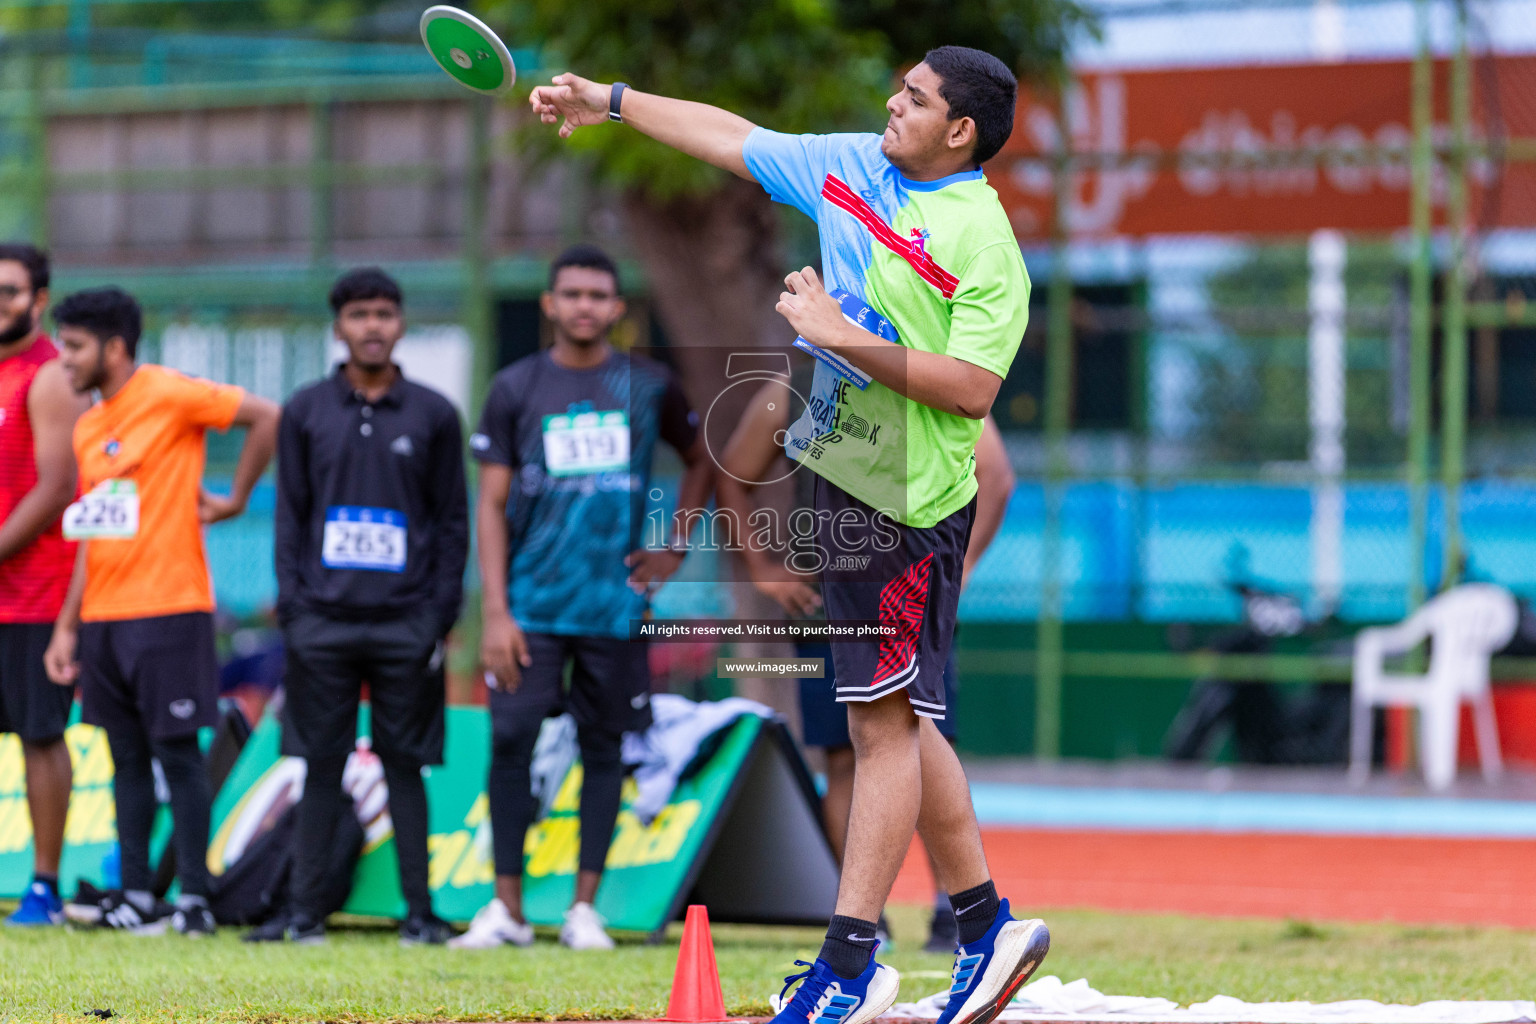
{"x":140,"y":605}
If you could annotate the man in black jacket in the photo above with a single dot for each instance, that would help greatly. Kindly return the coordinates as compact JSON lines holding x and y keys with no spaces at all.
{"x":372,"y":538}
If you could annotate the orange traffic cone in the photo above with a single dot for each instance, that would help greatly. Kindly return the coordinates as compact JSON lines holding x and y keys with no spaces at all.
{"x":696,"y":997}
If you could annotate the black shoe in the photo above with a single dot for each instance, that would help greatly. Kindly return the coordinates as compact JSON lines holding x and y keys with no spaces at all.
{"x":121,"y":913}
{"x":287,"y":928}
{"x":84,"y":907}
{"x":195,"y":921}
{"x":425,"y":930}
{"x":943,"y":933}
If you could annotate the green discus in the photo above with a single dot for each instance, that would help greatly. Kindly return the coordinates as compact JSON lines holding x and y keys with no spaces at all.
{"x":468,"y":50}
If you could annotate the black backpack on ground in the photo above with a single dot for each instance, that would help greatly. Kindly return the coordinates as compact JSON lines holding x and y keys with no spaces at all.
{"x":257,"y":886}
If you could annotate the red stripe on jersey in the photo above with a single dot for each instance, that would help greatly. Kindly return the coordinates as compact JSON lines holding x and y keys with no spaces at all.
{"x":902,"y":603}
{"x":32,"y":581}
{"x":837,"y":192}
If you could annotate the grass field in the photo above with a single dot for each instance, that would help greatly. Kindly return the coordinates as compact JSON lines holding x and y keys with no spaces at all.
{"x":363,"y":975}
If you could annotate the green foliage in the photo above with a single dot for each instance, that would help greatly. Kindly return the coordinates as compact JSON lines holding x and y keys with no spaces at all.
{"x":791,"y":65}
{"x":1032,"y":38}
{"x":786,"y":64}
{"x":337,"y":19}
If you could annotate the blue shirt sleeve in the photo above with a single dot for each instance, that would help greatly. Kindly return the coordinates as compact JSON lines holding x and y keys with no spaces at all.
{"x":792,"y":167}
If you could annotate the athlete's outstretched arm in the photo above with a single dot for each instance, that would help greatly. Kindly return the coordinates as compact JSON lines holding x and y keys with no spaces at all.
{"x":709,"y":133}
{"x":52,"y":407}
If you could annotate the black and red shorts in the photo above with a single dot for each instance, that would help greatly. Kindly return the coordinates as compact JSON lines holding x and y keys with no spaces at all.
{"x":904,"y":577}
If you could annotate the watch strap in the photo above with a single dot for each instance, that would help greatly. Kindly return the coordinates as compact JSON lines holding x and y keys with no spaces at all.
{"x":615,"y":98}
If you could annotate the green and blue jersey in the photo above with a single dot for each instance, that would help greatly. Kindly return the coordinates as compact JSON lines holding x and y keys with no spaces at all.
{"x":580,"y":444}
{"x":937,"y":265}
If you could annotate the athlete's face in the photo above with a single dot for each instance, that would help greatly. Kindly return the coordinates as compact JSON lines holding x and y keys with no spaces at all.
{"x":21,"y":308}
{"x":583,"y":304}
{"x":84,"y":357}
{"x":920,"y":133}
{"x":370,"y":328}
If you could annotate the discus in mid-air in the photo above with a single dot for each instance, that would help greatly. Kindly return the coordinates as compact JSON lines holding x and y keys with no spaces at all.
{"x":466,"y":48}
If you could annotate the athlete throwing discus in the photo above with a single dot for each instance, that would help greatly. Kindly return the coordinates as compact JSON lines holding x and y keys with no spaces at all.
{"x":911,"y":230}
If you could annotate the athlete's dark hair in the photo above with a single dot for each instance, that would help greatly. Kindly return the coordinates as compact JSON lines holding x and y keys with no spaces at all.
{"x":588,"y":257}
{"x":977,"y":85}
{"x":364,"y":283}
{"x":31,"y":257}
{"x":105,"y":312}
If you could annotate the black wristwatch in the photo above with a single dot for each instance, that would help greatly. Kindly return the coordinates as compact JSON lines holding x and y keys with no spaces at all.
{"x":614,"y":99}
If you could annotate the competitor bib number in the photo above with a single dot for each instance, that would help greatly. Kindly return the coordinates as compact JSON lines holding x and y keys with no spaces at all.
{"x":109,"y":511}
{"x":586,"y":442}
{"x":862,"y":316}
{"x":364,"y":538}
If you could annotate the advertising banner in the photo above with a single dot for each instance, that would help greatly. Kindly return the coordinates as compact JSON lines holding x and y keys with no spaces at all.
{"x":740,"y":833}
{"x":90,"y":832}
{"x":709,"y":838}
{"x":1267,"y":149}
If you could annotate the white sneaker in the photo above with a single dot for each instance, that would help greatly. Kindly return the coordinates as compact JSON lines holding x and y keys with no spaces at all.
{"x":493,"y":926}
{"x":583,"y":928}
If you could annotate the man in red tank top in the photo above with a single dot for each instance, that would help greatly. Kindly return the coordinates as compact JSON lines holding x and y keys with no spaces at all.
{"x":38,"y":410}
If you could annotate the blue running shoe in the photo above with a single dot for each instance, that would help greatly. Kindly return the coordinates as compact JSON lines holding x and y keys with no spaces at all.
{"x":40,"y":905}
{"x":824,"y":998}
{"x":990,"y":970}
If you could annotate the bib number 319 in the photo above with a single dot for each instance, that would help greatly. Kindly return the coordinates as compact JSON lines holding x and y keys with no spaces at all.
{"x":109,"y":511}
{"x":586,"y":442}
{"x":364,"y":538}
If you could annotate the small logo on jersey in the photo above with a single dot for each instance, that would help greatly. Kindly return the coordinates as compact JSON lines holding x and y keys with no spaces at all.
{"x":479,"y":442}
{"x":182,"y":709}
{"x":920,"y":242}
{"x":2,"y":417}
{"x":112,"y":447}
{"x":402,"y":445}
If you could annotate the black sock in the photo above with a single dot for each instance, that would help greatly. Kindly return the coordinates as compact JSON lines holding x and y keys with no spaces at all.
{"x":50,"y":880}
{"x":975,"y":910}
{"x":849,"y":945}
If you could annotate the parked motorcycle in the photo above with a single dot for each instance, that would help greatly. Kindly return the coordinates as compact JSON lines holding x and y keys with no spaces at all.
{"x":1268,"y":723}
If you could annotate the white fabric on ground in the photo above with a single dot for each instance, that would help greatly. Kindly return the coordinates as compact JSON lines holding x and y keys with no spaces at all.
{"x":1047,"y":999}
{"x":663,"y":753}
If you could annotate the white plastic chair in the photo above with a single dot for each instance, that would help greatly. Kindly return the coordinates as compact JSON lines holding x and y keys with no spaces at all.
{"x":1465,"y":625}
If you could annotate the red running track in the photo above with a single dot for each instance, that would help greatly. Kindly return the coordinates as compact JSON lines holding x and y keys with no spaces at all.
{"x":1317,"y":877}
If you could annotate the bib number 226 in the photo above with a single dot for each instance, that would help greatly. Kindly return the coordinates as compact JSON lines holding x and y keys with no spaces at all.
{"x":108,"y":511}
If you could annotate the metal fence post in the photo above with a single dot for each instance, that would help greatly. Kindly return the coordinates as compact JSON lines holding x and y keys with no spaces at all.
{"x":476,"y":311}
{"x":1453,"y":395}
{"x":1058,"y":408}
{"x":1419,"y":307}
